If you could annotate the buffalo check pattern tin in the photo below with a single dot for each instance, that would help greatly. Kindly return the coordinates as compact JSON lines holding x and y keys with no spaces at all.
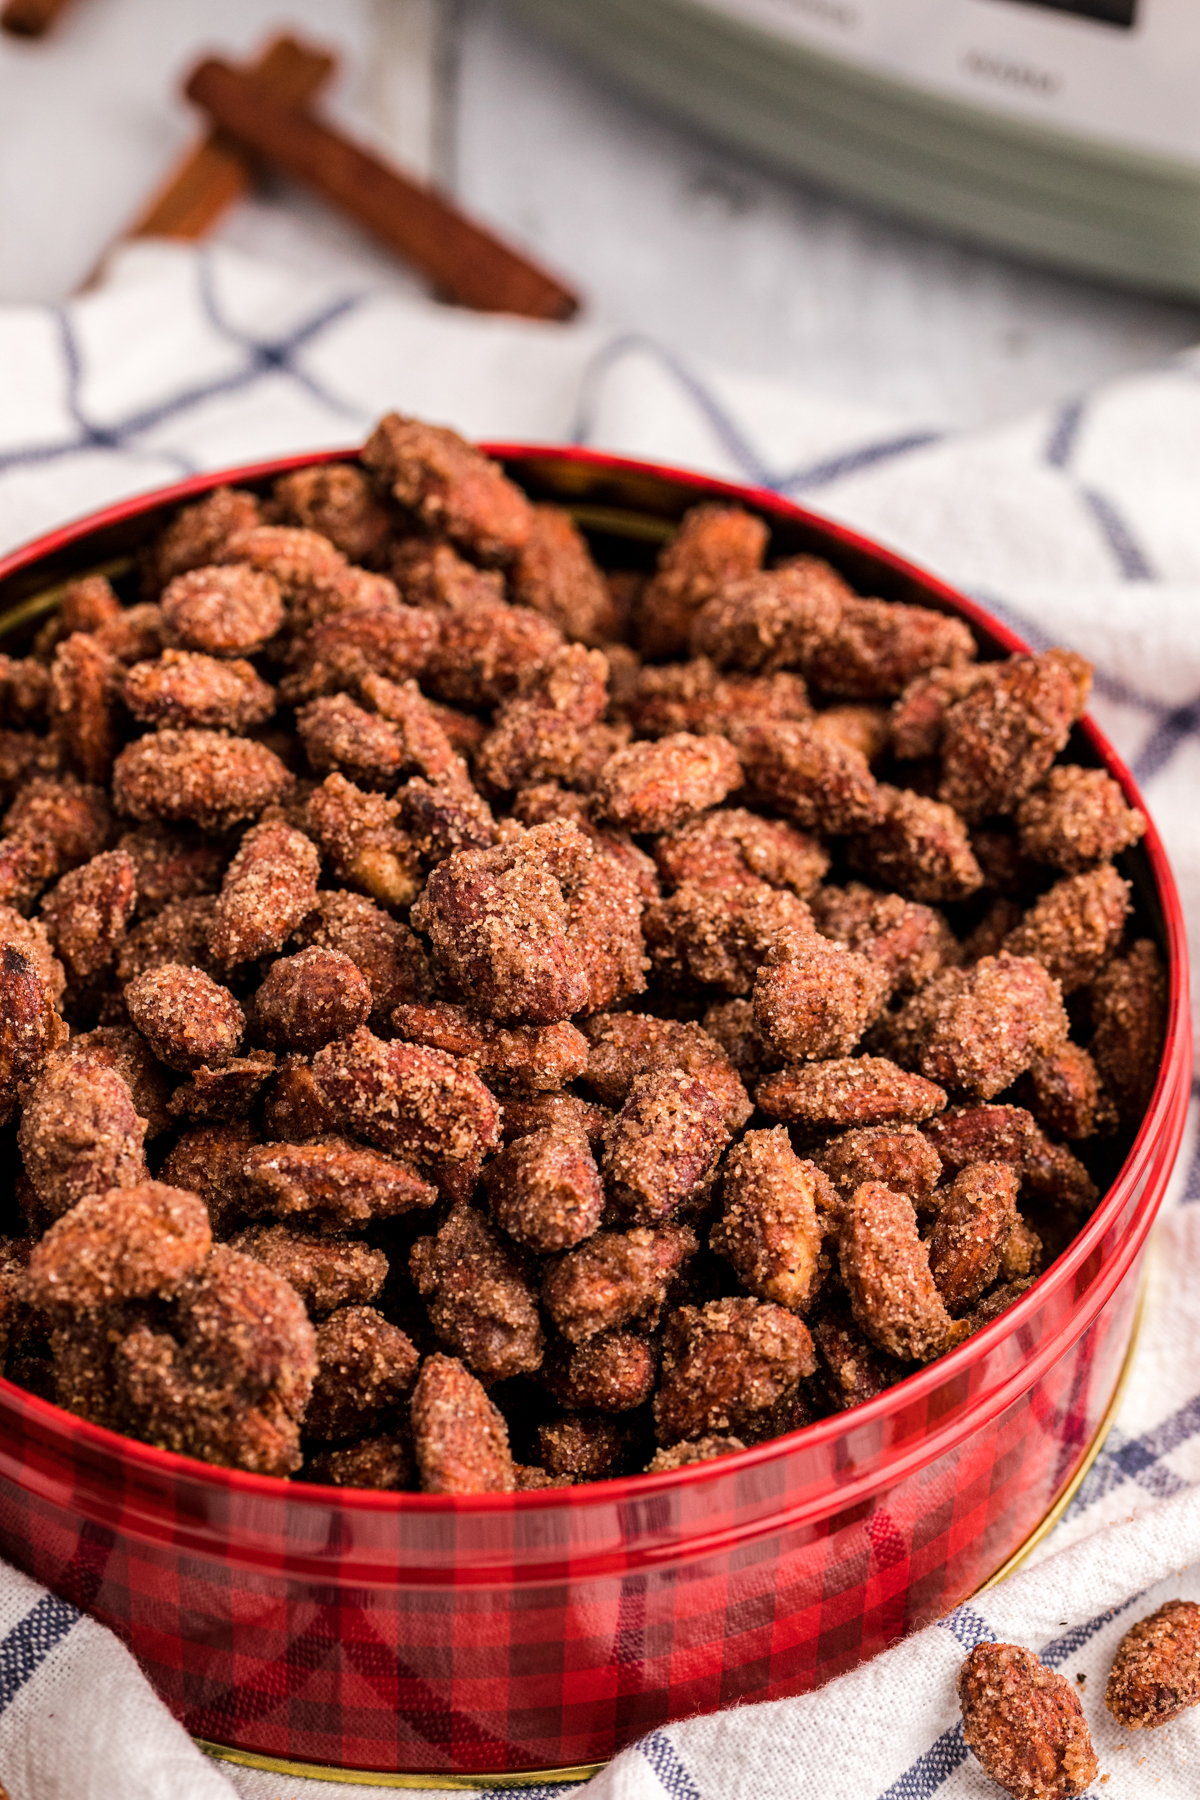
{"x":499,"y":1633}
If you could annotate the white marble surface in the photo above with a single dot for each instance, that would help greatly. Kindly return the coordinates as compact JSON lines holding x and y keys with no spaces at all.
{"x":664,"y":232}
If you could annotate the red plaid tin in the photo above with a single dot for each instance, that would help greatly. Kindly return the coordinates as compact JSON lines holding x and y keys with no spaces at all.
{"x":408,"y":1634}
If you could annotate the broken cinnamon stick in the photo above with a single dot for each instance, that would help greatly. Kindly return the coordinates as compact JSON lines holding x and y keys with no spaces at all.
{"x":465,"y":261}
{"x":30,"y":18}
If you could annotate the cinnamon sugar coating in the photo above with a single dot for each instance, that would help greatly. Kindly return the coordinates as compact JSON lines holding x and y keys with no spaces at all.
{"x":1074,"y":929}
{"x":853,"y":1090}
{"x":852,"y":1368}
{"x":126,"y":1244}
{"x":977,"y":1216}
{"x":122,"y":1048}
{"x":30,"y":1028}
{"x":1076,"y":818}
{"x":814,"y":779}
{"x":413,"y":1102}
{"x":1155,"y":1674}
{"x":818,"y":1001}
{"x":188,"y":1020}
{"x":197,"y":777}
{"x":1069,"y":1099}
{"x":365,"y":846}
{"x":1006,"y":1011}
{"x":171,"y":865}
{"x":384,"y":951}
{"x":430,"y":574}
{"x":79,"y":1133}
{"x":554,"y":574}
{"x":420,"y":730}
{"x":910,"y":941}
{"x":336,"y":1185}
{"x":544,"y":1190}
{"x":656,"y":785}
{"x":999,"y":741}
{"x":662,"y":1147}
{"x":539,"y":734}
{"x":918,"y":717}
{"x":177,"y":934}
{"x":338,"y":735}
{"x":680,"y":1455}
{"x":1025,"y":1724}
{"x":583,"y":1447}
{"x":613,"y":1372}
{"x":207,"y":1160}
{"x":885,"y":1267}
{"x":975,"y":1134}
{"x":198,"y":533}
{"x":451,"y":489}
{"x":87,"y":912}
{"x":877,"y":648}
{"x":85,"y":686}
{"x":900,"y":1157}
{"x":774,"y":620}
{"x":336,"y":654}
{"x":309,"y":999}
{"x":183,"y":689}
{"x":733,"y":848}
{"x":376,"y":1462}
{"x":227,"y":1092}
{"x":460,"y":1438}
{"x":223,"y":611}
{"x":719,"y":937}
{"x":623,"y":1046}
{"x":614,"y":1279}
{"x":365,"y":1370}
{"x":770,"y":1230}
{"x":479,"y":1299}
{"x":527,"y":1057}
{"x":269,"y":888}
{"x":481,"y":653}
{"x":918,"y":847}
{"x":727,"y":1364}
{"x":563,"y":1114}
{"x":695,"y":696}
{"x":1129,"y":1011}
{"x":336,"y":500}
{"x":714,"y":546}
{"x":326,"y":1272}
{"x":30,"y":937}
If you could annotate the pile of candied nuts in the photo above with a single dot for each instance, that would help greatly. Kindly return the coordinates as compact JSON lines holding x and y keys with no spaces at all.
{"x":1025,"y":1722}
{"x":404,"y":921}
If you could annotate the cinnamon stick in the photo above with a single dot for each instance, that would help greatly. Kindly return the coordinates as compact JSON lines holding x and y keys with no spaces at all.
{"x":464,"y":260}
{"x":218,"y":171}
{"x":30,"y":18}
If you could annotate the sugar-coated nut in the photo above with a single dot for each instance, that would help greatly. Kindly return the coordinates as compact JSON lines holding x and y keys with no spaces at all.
{"x":1155,"y":1674}
{"x":817,"y":1003}
{"x":981,"y":1134}
{"x":564,"y":1114}
{"x":770,"y":1230}
{"x":852,"y":1368}
{"x":1069,"y":1099}
{"x":1129,"y":1016}
{"x":481,"y":653}
{"x":452,"y":489}
{"x":613,"y":1279}
{"x":375,"y":1462}
{"x":1075,"y":818}
{"x":583,"y":1447}
{"x":902,"y":1157}
{"x":999,"y":741}
{"x":79,"y":1133}
{"x":171,"y":865}
{"x":1074,"y":929}
{"x":554,"y":575}
{"x":877,"y":648}
{"x":525,"y":1057}
{"x":613,"y":1372}
{"x":87,"y":912}
{"x":1006,"y":1011}
{"x":1025,"y":1724}
{"x":920,"y":847}
{"x":656,"y":785}
{"x":177,"y":934}
{"x":365,"y":846}
{"x":122,"y":1048}
{"x":338,"y":735}
{"x":230,"y":611}
{"x":270,"y":887}
{"x":416,"y":1103}
{"x":695,"y":696}
{"x":714,"y":545}
{"x":851,"y":1090}
{"x":776,"y":619}
{"x":736,"y":848}
{"x":813,"y":779}
{"x":82,"y":706}
{"x":680,"y":1455}
{"x":977,"y":1217}
{"x":326,"y":1272}
{"x":624,"y":1045}
{"x":365,"y":1370}
{"x":545,"y":1191}
{"x":720,"y":937}
{"x":207,"y":1160}
{"x":309,"y":999}
{"x":460,"y":1438}
{"x":183,"y":688}
{"x":906,"y":938}
{"x":663,"y":1145}
{"x":885,"y":1267}
{"x":185,"y":1017}
{"x":126,"y":1244}
{"x":201,"y":777}
{"x":336,"y":654}
{"x":334,"y":1185}
{"x":725,"y":1365}
{"x":386,"y":953}
{"x":337,"y":501}
{"x":479,"y":1300}
{"x":30,"y":1028}
{"x":198,"y":533}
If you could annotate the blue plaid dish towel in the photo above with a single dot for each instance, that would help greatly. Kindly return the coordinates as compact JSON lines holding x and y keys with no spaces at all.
{"x":1079,"y":525}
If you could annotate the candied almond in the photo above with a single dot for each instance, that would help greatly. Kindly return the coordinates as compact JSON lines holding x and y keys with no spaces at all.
{"x":30,"y":1028}
{"x":613,"y":1372}
{"x":309,"y":999}
{"x":853,"y":1369}
{"x":430,"y":574}
{"x":623,"y":1046}
{"x":385,"y":952}
{"x":773,"y":620}
{"x":336,"y":1184}
{"x":909,"y":940}
{"x":721,"y":936}
{"x":326,"y":1272}
{"x":335,"y":655}
{"x":126,"y":1244}
{"x":1074,"y":929}
{"x":1025,"y":1724}
{"x":79,"y":1133}
{"x":187,"y":1018}
{"x":613,"y":1279}
{"x":122,"y":1048}
{"x":377,"y":1462}
{"x":452,"y":489}
{"x":877,"y":648}
{"x":813,"y":779}
{"x":481,"y":654}
{"x":657,"y":784}
{"x":460,"y":1438}
{"x":1069,"y":1098}
{"x":725,"y":1365}
{"x":199,"y":777}
{"x":1006,"y":1011}
{"x":223,"y":611}
{"x":583,"y":1447}
{"x":544,"y":1190}
{"x":171,"y":865}
{"x":227,"y":1092}
{"x":715,"y":544}
{"x":85,"y":685}
{"x":365,"y":1370}
{"x":554,"y":574}
{"x":269,"y":888}
{"x":198,"y":533}
{"x":977,"y":1216}
{"x":1129,"y":1016}
{"x":358,"y":833}
{"x":818,"y":1001}
{"x":885,"y":1267}
{"x":337,"y":501}
{"x":770,"y":1230}
{"x":735,"y":848}
{"x":662,"y":1147}
{"x":900,"y":1157}
{"x":999,"y":740}
{"x":695,"y":696}
{"x":919,"y":847}
{"x":680,"y":1455}
{"x":183,"y":688}
{"x":1077,"y":817}
{"x":479,"y":1298}
{"x":87,"y":912}
{"x":1155,"y":1673}
{"x":563,"y":1114}
{"x":851,"y":1090}
{"x":207,"y":1160}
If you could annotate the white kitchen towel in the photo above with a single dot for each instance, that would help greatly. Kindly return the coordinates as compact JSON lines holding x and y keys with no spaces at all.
{"x":1080,"y":525}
